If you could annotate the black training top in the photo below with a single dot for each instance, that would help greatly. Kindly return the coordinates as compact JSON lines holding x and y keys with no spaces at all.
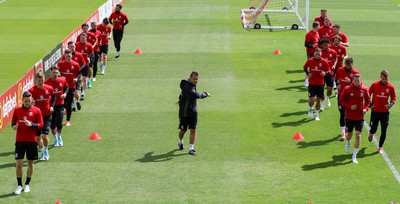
{"x":187,"y":99}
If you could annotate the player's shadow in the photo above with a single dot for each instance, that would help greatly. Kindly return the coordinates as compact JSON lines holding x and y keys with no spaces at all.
{"x":302,"y":101}
{"x":294,"y":113}
{"x":295,"y":71}
{"x":296,"y":81}
{"x":6,"y":154}
{"x":303,"y":144}
{"x":7,"y":195}
{"x":292,"y":123}
{"x":149,"y":157}
{"x":337,"y":160}
{"x":299,"y":88}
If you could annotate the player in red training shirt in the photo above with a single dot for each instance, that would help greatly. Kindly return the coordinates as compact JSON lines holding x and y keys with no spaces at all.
{"x":331,"y":57}
{"x":381,"y":91}
{"x":344,"y":77}
{"x":320,"y":19}
{"x":326,"y":30}
{"x":341,"y":51}
{"x":316,"y":68}
{"x":92,"y":39}
{"x":71,"y":71}
{"x":44,"y":98}
{"x":86,"y":50}
{"x":355,"y":99}
{"x":119,"y":20}
{"x":60,"y":87}
{"x":96,"y":51}
{"x":105,"y":30}
{"x":336,"y":31}
{"x":26,"y":120}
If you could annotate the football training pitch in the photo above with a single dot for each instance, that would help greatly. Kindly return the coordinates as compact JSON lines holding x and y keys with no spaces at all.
{"x":245,"y":151}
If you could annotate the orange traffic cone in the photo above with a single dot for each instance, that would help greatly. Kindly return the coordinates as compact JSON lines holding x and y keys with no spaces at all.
{"x":138,"y":52}
{"x":94,"y":136}
{"x":298,"y":136}
{"x":277,"y":52}
{"x":58,"y":202}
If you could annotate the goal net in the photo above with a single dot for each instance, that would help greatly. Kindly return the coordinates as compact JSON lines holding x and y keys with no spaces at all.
{"x":276,"y":14}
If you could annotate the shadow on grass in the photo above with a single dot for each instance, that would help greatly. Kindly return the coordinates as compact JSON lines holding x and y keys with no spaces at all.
{"x":295,"y":71}
{"x":7,"y":195}
{"x":303,"y":144}
{"x":294,"y":113}
{"x":292,"y":123}
{"x":296,"y":81}
{"x":337,"y":160}
{"x":6,"y":154}
{"x":300,"y":88}
{"x":149,"y":157}
{"x":302,"y":101}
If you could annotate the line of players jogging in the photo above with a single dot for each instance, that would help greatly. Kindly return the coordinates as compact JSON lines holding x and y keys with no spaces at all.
{"x":46,"y":103}
{"x":326,"y":52}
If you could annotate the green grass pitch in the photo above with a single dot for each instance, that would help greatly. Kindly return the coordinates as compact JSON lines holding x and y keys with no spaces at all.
{"x":244,"y":145}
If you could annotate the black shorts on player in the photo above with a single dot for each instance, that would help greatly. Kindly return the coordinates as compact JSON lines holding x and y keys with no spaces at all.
{"x":104,"y":49}
{"x":46,"y":126}
{"x":314,"y":90}
{"x":185,"y":122}
{"x":329,"y":80}
{"x":357,"y":124}
{"x":30,"y":148}
{"x":85,"y":71}
{"x":57,"y":117}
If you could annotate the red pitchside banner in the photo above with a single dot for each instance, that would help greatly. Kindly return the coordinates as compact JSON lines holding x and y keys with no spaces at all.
{"x":12,"y":98}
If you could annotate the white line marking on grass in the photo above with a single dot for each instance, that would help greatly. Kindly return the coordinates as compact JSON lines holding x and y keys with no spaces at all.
{"x":385,"y":156}
{"x":373,"y":45}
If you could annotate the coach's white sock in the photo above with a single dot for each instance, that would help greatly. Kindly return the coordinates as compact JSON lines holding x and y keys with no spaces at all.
{"x":118,"y":53}
{"x":191,"y":146}
{"x":355,"y":152}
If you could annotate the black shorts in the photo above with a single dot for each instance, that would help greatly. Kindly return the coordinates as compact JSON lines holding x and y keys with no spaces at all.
{"x":104,"y":49}
{"x":314,"y":90}
{"x":85,"y":71}
{"x":185,"y":122}
{"x":30,"y":148}
{"x":46,"y":126}
{"x":329,"y":80}
{"x":351,"y":124}
{"x":383,"y":117}
{"x":57,"y":117}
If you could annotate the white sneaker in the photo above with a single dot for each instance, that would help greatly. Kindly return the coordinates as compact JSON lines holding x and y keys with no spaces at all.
{"x":18,"y":190}
{"x":94,"y":79}
{"x":306,"y":83}
{"x":310,"y":113}
{"x":354,"y":160}
{"x":317,"y":118}
{"x":42,"y":157}
{"x":103,"y":72}
{"x":347,"y":147}
{"x":27,"y":189}
{"x":328,"y":102}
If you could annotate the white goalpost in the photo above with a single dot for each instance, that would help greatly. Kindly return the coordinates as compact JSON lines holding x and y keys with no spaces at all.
{"x":276,"y":14}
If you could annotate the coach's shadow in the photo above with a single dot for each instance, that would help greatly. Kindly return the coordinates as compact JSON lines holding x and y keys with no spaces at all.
{"x":6,"y":154}
{"x":303,"y":144}
{"x":337,"y":160}
{"x":149,"y":157}
{"x":295,"y":71}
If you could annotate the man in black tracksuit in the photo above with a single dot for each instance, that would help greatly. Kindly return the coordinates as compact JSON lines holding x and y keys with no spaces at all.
{"x":188,"y":110}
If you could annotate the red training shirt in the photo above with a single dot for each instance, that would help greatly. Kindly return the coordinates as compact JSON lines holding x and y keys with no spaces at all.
{"x":42,"y":97}
{"x":341,"y":52}
{"x":59,"y":85}
{"x":105,"y":32}
{"x":353,"y":95}
{"x":91,"y":38}
{"x":98,"y":37}
{"x":330,"y":56}
{"x":341,"y":75}
{"x":118,"y":20}
{"x":321,"y":20}
{"x":312,"y":38}
{"x":380,"y":96}
{"x":70,"y":71}
{"x":25,"y":133}
{"x":315,"y":67}
{"x":85,"y":49}
{"x":342,"y":35}
{"x":325,"y":32}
